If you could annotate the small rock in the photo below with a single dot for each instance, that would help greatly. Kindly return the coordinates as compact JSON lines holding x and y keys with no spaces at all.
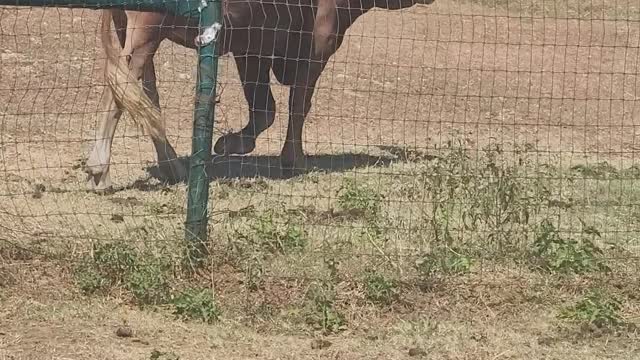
{"x":320,"y":344}
{"x":38,"y":189}
{"x":124,"y":331}
{"x":545,"y":340}
{"x":8,"y":55}
{"x":417,"y":352}
{"x":117,"y":218}
{"x":6,"y":280}
{"x":159,"y":355}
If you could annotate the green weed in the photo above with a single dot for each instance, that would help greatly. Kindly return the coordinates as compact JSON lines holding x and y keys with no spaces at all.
{"x":483,"y":195}
{"x":554,"y":253}
{"x":379,"y":289}
{"x":444,"y":180}
{"x":503,"y":200}
{"x":595,"y":309}
{"x":164,"y":208}
{"x":323,"y":314}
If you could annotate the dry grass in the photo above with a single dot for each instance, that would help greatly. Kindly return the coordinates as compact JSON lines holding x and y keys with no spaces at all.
{"x":501,"y":307}
{"x":500,"y":316}
{"x":557,"y":77}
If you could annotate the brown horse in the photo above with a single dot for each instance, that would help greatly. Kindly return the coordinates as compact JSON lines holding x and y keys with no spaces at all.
{"x":293,"y":39}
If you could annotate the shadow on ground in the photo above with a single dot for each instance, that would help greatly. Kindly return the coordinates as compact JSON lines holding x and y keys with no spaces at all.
{"x":268,"y":167}
{"x":249,"y":166}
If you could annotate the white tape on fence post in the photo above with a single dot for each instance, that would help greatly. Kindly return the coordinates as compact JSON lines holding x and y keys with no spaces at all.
{"x":208,"y":35}
{"x":203,"y":4}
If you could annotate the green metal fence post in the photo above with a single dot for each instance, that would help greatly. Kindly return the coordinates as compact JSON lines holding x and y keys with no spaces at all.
{"x":198,"y":193}
{"x":209,"y":12}
{"x":176,"y":7}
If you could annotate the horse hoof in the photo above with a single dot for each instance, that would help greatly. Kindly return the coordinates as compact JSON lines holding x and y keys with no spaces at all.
{"x":98,"y":178}
{"x":99,"y":183}
{"x":234,"y":144}
{"x":173,"y":171}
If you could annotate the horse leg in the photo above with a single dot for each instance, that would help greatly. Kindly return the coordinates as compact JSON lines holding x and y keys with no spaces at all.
{"x":97,"y":165}
{"x":119,"y":18}
{"x":292,"y":157}
{"x":254,"y":74}
{"x":168,"y":162}
{"x":139,"y":46}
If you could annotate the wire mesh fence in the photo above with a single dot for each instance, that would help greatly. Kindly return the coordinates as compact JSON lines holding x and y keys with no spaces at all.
{"x":458,"y":145}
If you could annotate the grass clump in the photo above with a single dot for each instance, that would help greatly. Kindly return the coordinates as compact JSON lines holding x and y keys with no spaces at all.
{"x":257,"y":236}
{"x":279,"y":237}
{"x":359,"y":200}
{"x":445,"y":261}
{"x":273,"y":232}
{"x":196,"y":304}
{"x":89,"y":280}
{"x":149,"y":281}
{"x":161,"y":355}
{"x":114,"y":260}
{"x":107,"y":268}
{"x":118,"y":265}
{"x":596,"y":309}
{"x":601,"y":170}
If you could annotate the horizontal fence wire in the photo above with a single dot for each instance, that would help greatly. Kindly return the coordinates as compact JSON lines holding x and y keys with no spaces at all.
{"x":448,"y":147}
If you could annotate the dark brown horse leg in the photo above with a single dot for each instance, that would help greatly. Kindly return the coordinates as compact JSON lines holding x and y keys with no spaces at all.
{"x":119,"y":18}
{"x":292,"y":158}
{"x":254,"y":74}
